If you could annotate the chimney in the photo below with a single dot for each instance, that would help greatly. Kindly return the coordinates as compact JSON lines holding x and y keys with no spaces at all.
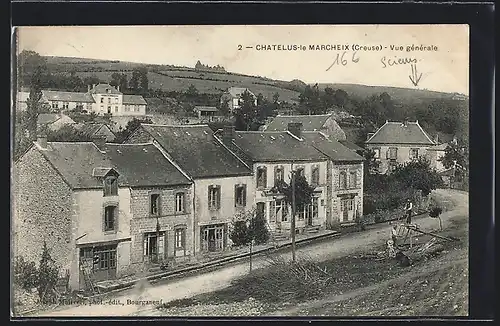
{"x":369,"y":135}
{"x":99,"y":141}
{"x":295,"y":128}
{"x":118,"y":88}
{"x":228,"y":134}
{"x":42,"y":139}
{"x":405,"y":122}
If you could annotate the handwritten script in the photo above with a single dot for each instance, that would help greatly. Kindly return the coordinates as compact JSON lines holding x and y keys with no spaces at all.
{"x":342,"y":59}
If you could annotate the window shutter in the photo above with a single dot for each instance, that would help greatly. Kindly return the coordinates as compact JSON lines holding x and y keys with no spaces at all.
{"x":275,"y":174}
{"x":161,"y":243}
{"x":145,"y":245}
{"x":235,"y":195}
{"x":244,"y":195}
{"x":218,"y":197}
{"x":159,"y":205}
{"x":209,"y":197}
{"x":265,"y":177}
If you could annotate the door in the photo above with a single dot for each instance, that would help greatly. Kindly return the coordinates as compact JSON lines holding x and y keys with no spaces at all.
{"x":211,"y":240}
{"x":154,"y":247}
{"x":344,"y":213}
{"x":99,"y":263}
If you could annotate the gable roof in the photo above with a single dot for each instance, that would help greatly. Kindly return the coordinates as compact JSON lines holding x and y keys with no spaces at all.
{"x":261,"y":146}
{"x":351,"y":145}
{"x":238,"y":91}
{"x":67,"y":96}
{"x":331,"y":147}
{"x":144,"y":165}
{"x":91,"y":128}
{"x":103,"y":88}
{"x":399,"y":133}
{"x":195,"y":149}
{"x":76,"y":163}
{"x":82,"y":164}
{"x":134,"y":99}
{"x":309,"y":122}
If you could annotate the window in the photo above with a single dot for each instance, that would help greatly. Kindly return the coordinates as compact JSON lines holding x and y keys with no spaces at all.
{"x":102,"y":99}
{"x":236,"y":102}
{"x":261,"y":177}
{"x":377,"y":152}
{"x":392,"y":153}
{"x":343,"y":180}
{"x":109,"y":218}
{"x":315,"y":175}
{"x":352,"y":179}
{"x":106,"y":255}
{"x":108,"y":90}
{"x":240,"y":195}
{"x":180,"y":238}
{"x":116,"y":108}
{"x":111,"y":186}
{"x":136,"y":108}
{"x":314,"y":207}
{"x":127,"y":108}
{"x":116,"y":100}
{"x":300,"y":171}
{"x":413,"y":153}
{"x":309,"y":210}
{"x":279,"y":174}
{"x":154,"y":204}
{"x":214,"y":197}
{"x":55,"y":105}
{"x":65,"y":105}
{"x":280,"y":210}
{"x":179,"y":202}
{"x":102,"y":108}
{"x":154,"y":245}
{"x":109,"y":108}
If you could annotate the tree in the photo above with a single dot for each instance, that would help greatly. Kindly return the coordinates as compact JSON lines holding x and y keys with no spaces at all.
{"x":310,"y":102}
{"x":258,"y":229}
{"x":418,"y":175}
{"x":120,"y":80}
{"x":135,"y":80}
{"x":247,"y":115}
{"x":239,"y":233}
{"x":303,"y":191}
{"x":48,"y":274}
{"x":457,"y":152}
{"x":341,"y":98}
{"x":276,"y":98}
{"x":29,"y":63}
{"x":67,"y":133}
{"x":223,"y":107}
{"x":371,"y":163}
{"x":143,"y":81}
{"x":191,"y":93}
{"x":131,"y":126}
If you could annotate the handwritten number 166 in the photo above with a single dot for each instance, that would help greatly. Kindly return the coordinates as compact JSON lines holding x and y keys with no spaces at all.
{"x":340,"y":60}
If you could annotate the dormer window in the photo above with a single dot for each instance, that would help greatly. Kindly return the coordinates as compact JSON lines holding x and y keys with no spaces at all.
{"x":108,"y":90}
{"x":111,"y":186}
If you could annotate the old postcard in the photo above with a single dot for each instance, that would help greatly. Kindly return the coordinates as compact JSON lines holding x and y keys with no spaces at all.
{"x":299,"y":170}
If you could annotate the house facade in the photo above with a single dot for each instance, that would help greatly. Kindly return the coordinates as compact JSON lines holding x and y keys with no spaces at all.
{"x":99,"y":98}
{"x":435,"y":154}
{"x":222,"y":183}
{"x":324,"y":123}
{"x":233,"y":96}
{"x":98,"y":210}
{"x":397,"y":143}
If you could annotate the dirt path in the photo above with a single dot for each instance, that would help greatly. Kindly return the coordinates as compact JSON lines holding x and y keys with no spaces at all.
{"x":190,"y":286}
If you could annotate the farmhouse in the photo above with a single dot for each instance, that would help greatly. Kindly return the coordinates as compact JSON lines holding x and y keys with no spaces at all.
{"x":398,"y":142}
{"x":98,"y":209}
{"x":99,"y":98}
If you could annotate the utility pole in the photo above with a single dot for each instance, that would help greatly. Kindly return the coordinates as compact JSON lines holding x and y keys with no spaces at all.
{"x":158,"y":240}
{"x":293,"y":215}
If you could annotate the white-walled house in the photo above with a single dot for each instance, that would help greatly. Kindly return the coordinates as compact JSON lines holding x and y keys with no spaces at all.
{"x":233,"y":95}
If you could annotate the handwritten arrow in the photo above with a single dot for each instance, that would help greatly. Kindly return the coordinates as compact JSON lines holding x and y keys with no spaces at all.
{"x":415,"y":77}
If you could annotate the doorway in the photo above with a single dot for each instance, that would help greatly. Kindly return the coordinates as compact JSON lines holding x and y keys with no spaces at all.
{"x":347,"y":209}
{"x":213,"y":238}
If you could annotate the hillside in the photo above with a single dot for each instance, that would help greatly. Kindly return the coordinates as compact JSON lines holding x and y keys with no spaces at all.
{"x":177,"y":78}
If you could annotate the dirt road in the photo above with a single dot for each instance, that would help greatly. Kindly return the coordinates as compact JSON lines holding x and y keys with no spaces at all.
{"x":127,"y":303}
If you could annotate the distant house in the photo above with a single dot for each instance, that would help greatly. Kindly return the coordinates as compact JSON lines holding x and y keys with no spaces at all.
{"x":398,"y":142}
{"x":53,"y":121}
{"x":207,"y":113}
{"x":233,"y":96}
{"x":95,"y":130}
{"x":99,"y":98}
{"x":324,"y":123}
{"x":435,"y":153}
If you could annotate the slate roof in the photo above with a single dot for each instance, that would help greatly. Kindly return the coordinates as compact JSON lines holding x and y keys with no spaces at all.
{"x":91,"y":128}
{"x":440,"y":147}
{"x":144,"y":165}
{"x":309,"y":122}
{"x":134,"y":99}
{"x":76,"y":162}
{"x":103,"y":89}
{"x":81,"y":163}
{"x":68,"y":96}
{"x":351,"y":145}
{"x":238,"y":91}
{"x":331,"y":147}
{"x":398,"y":133}
{"x":261,"y":146}
{"x":195,"y":149}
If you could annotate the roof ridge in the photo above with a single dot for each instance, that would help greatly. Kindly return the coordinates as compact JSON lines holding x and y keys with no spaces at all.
{"x":305,"y":115}
{"x":177,"y":126}
{"x":130,"y":144}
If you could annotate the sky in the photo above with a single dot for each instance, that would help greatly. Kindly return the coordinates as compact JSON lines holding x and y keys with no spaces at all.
{"x":445,"y":68}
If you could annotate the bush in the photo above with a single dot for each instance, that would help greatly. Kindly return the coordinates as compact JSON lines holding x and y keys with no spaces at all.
{"x":435,"y":212}
{"x":25,"y":273}
{"x":239,"y":234}
{"x":48,"y":275}
{"x":258,"y":230}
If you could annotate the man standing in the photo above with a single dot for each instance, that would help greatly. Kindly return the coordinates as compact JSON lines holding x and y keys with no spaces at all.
{"x":408,"y":209}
